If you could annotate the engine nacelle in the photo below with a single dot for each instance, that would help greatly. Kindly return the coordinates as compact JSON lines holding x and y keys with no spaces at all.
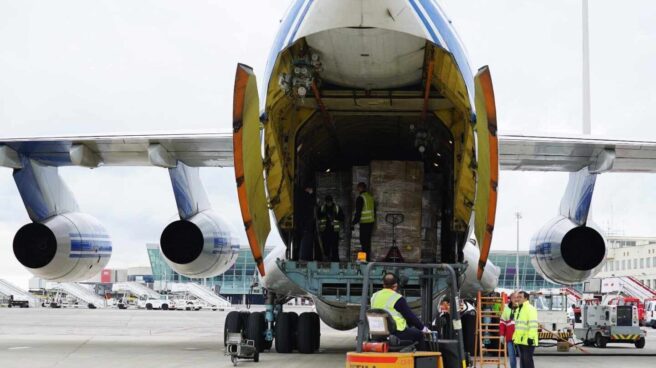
{"x":565,"y":253}
{"x":199,"y":247}
{"x":67,"y":247}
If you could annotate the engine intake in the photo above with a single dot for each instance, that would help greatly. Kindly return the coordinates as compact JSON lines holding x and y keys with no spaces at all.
{"x":565,"y":253}
{"x":66,"y":248}
{"x":199,"y":247}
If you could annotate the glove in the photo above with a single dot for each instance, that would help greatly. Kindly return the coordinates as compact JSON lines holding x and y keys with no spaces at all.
{"x":530,"y":342}
{"x":425,"y":330}
{"x":503,"y":340}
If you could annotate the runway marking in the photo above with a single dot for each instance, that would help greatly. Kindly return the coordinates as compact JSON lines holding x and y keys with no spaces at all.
{"x":18,"y":348}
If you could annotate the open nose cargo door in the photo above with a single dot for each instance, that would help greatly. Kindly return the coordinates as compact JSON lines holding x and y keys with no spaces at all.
{"x":488,"y":165}
{"x":249,"y":170}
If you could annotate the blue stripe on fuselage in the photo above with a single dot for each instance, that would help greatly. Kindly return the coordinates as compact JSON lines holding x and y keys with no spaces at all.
{"x":278,"y":42}
{"x":452,"y":43}
{"x":300,"y":21}
{"x":421,"y":16}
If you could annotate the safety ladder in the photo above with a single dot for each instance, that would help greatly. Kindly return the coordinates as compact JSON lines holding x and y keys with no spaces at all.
{"x":487,"y":328}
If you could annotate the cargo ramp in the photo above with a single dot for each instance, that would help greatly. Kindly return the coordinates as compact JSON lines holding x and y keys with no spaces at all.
{"x":79,"y":292}
{"x":7,"y":289}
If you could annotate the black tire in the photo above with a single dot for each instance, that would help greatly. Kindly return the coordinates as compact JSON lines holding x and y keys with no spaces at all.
{"x":317,"y":331}
{"x":286,"y":332}
{"x":256,"y":357}
{"x":165,"y":307}
{"x":91,"y":306}
{"x":600,"y":341}
{"x":640,"y":343}
{"x":255,"y":330}
{"x":244,"y":320}
{"x":149,"y":306}
{"x":305,"y":339}
{"x":233,"y":324}
{"x":588,"y":343}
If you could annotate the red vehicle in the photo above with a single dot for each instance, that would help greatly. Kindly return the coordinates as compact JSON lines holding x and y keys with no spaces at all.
{"x":628,"y":300}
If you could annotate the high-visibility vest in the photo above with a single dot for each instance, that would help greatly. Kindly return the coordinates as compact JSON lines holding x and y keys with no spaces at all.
{"x":323,"y":221}
{"x":385,"y":299}
{"x":367,"y":214}
{"x":526,"y":324}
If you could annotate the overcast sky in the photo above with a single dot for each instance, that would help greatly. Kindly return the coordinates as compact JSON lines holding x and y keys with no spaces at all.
{"x":79,"y":67}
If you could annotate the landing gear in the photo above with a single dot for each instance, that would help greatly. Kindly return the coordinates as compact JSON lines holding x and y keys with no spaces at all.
{"x":286,"y":328}
{"x":308,"y":336}
{"x":256,"y":329}
{"x":233,"y":324}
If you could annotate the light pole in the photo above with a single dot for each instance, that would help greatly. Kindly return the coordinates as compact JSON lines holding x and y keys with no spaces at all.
{"x":518,"y":216}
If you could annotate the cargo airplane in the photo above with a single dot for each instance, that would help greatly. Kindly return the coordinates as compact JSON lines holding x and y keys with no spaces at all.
{"x":347,"y":82}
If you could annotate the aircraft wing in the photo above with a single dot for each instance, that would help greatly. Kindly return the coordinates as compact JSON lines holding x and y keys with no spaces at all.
{"x":194,"y":149}
{"x":571,"y":154}
{"x":516,"y":152}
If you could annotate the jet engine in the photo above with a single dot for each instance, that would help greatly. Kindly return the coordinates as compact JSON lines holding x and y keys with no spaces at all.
{"x":200,"y":246}
{"x":566,"y":253}
{"x":67,"y":247}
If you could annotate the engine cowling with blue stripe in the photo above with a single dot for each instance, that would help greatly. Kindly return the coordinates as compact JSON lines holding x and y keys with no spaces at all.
{"x":201,"y":246}
{"x":566,"y":253}
{"x":67,"y":247}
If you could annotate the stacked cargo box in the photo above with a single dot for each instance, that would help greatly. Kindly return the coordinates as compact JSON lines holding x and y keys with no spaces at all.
{"x":397,"y":189}
{"x":430,"y":218}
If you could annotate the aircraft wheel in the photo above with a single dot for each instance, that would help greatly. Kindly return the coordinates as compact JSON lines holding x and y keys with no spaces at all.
{"x":244,"y":320}
{"x":317,"y":331}
{"x":286,"y":332}
{"x":306,"y":339}
{"x":255,"y":330}
{"x":600,"y":341}
{"x":640,"y":343}
{"x":233,"y":324}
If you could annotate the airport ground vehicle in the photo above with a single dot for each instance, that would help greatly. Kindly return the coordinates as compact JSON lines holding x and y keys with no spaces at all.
{"x":239,"y":348}
{"x":163,"y":303}
{"x":603,"y":324}
{"x":650,"y":312}
{"x":632,"y":301}
{"x":552,"y":315}
{"x":375,"y":343}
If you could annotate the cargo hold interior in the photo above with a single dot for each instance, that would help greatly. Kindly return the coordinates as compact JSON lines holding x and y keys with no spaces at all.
{"x":408,"y":165}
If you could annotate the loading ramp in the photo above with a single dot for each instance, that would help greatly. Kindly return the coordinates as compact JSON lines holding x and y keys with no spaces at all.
{"x":137,"y":289}
{"x":8,"y":289}
{"x":80,"y":292}
{"x":202,"y":293}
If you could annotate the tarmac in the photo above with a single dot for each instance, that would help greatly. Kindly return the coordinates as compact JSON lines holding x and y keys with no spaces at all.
{"x":138,"y":338}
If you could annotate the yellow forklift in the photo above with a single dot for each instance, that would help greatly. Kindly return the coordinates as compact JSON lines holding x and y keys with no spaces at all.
{"x":377,"y":347}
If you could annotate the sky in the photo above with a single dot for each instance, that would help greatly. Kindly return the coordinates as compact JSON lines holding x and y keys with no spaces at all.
{"x":72,"y":67}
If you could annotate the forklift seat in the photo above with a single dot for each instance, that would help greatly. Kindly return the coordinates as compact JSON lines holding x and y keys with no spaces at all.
{"x":382,"y":327}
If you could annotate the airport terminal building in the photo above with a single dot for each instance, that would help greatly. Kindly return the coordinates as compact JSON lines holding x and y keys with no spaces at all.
{"x":236,"y":284}
{"x":529,"y":278}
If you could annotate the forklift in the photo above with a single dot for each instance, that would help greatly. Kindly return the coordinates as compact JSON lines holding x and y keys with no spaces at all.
{"x":376,"y":344}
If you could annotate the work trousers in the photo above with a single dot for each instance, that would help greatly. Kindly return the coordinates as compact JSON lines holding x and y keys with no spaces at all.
{"x":365,"y":238}
{"x":330,"y":241}
{"x":526,"y":356}
{"x":413,"y":334}
{"x":512,"y":355}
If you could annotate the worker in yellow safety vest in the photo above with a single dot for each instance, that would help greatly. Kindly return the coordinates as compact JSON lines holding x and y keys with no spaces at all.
{"x":365,"y":216}
{"x":330,"y":218}
{"x":408,"y":326}
{"x":525,"y":337}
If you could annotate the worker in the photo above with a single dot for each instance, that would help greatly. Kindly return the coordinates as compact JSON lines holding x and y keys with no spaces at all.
{"x":306,"y":210}
{"x":507,"y":328}
{"x":330,"y":219}
{"x":525,"y":337}
{"x":571,"y":315}
{"x":408,"y":326}
{"x":365,"y":216}
{"x":442,"y":323}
